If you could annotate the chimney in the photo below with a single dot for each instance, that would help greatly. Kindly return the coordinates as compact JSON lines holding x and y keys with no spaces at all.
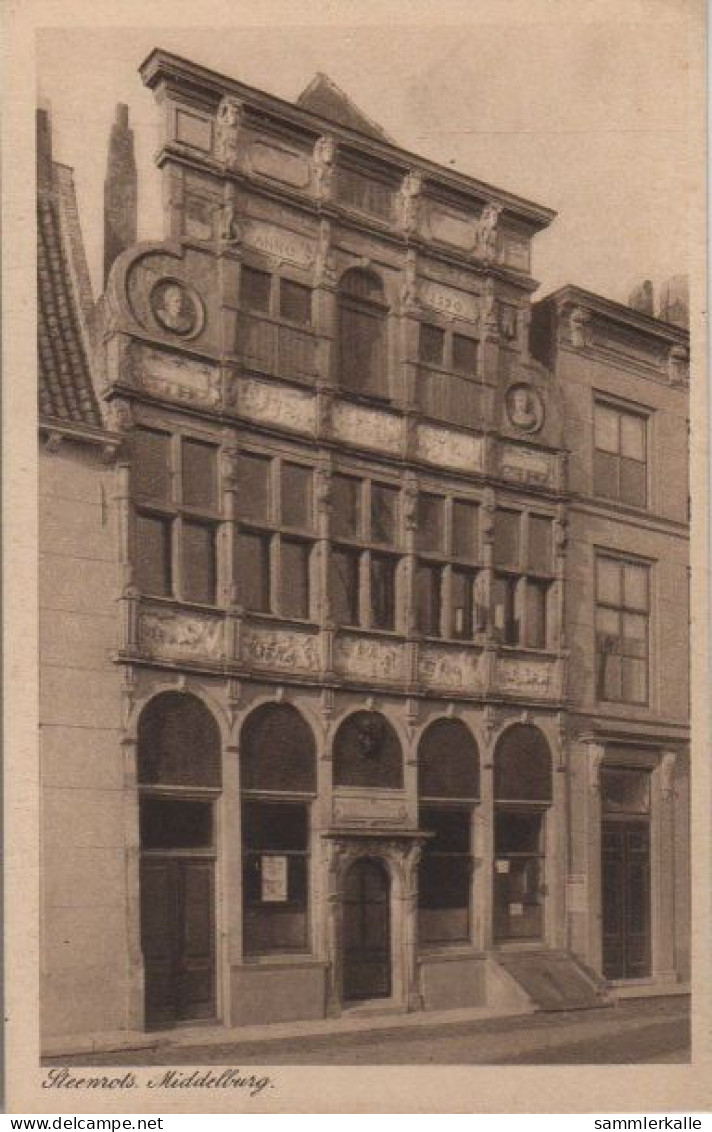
{"x":641,"y":298}
{"x":44,"y":151}
{"x":675,"y":301}
{"x":120,"y":190}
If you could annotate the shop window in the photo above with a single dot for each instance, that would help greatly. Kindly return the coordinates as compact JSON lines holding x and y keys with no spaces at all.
{"x":274,"y":568}
{"x":448,"y":786}
{"x":523,"y":581}
{"x":620,"y":469}
{"x":447,"y":583}
{"x":363,"y":559}
{"x":622,"y":630}
{"x":367,"y":752}
{"x":175,"y":492}
{"x":362,"y":334}
{"x":522,"y":766}
{"x":178,"y":743}
{"x":278,"y":781}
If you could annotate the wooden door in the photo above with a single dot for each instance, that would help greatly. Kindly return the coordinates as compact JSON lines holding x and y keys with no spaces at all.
{"x":366,"y":932}
{"x":178,"y":938}
{"x":625,"y":899}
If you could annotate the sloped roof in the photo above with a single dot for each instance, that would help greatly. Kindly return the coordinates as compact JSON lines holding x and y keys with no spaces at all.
{"x":325,"y":98}
{"x":66,"y":389}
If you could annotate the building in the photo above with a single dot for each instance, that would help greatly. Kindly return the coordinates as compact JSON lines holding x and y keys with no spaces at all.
{"x":375,"y":572}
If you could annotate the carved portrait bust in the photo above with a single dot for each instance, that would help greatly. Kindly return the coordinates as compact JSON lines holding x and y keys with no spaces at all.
{"x":175,"y":308}
{"x":525,"y":410}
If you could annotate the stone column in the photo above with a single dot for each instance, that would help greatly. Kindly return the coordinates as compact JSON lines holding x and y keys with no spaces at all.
{"x":409,"y":904}
{"x":484,"y":832}
{"x":230,"y":868}
{"x":595,"y":752}
{"x":663,"y":868}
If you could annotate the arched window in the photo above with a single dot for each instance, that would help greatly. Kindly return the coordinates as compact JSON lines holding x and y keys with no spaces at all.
{"x":367,"y":752}
{"x":363,"y":314}
{"x":522,"y":766}
{"x":448,"y":787}
{"x":522,"y":793}
{"x":278,"y":778}
{"x":179,"y":776}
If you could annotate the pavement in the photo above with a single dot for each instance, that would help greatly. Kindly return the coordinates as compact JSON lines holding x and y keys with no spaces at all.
{"x":641,"y":1031}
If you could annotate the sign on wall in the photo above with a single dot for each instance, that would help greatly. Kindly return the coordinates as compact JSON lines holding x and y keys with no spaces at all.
{"x":274,"y":879}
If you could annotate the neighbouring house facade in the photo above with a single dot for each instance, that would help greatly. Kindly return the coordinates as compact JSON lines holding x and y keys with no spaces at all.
{"x":365,"y":625}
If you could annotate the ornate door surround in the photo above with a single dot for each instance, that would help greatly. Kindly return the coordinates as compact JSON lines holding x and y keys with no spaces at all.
{"x":398,"y":852}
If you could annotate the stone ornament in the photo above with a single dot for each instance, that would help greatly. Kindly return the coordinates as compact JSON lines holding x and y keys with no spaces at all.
{"x":176,"y":308}
{"x":486,"y":231}
{"x":407,"y":202}
{"x":578,"y":326}
{"x":323,"y":162}
{"x":227,"y":131}
{"x":525,"y":409}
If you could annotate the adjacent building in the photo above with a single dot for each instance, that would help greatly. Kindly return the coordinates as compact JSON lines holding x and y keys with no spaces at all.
{"x":365,"y":619}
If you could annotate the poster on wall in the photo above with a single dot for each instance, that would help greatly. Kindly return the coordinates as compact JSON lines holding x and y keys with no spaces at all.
{"x":274,"y":880}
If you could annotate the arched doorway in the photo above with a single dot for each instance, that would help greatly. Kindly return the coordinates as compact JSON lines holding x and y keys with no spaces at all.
{"x":522,"y":795}
{"x":366,"y":931}
{"x":179,"y":778}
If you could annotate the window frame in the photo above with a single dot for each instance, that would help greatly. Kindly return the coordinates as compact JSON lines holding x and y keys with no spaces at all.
{"x":621,"y":561}
{"x":275,"y":534}
{"x":520,"y":579}
{"x":449,"y":565}
{"x":365,"y":549}
{"x":377,"y":386}
{"x":176,"y":515}
{"x":622,"y":410}
{"x":274,"y":311}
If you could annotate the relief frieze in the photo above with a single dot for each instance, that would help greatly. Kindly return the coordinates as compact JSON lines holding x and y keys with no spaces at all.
{"x":526,"y":676}
{"x":178,"y":378}
{"x":279,"y":164}
{"x":524,"y":464}
{"x":448,"y":448}
{"x":458,"y":304}
{"x":279,"y":243}
{"x":277,"y":405}
{"x":177,"y":634}
{"x":284,"y":649}
{"x":369,"y":428}
{"x":458,"y":669}
{"x":369,"y":659}
{"x":369,"y":813}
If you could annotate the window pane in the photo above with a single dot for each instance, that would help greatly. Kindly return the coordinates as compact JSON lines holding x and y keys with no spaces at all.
{"x":363,"y":192}
{"x":540,"y":544}
{"x":634,"y":676}
{"x":199,"y":468}
{"x":431,"y":344}
{"x":253,"y":493}
{"x":625,"y":791}
{"x":255,"y":289}
{"x":518,"y":833}
{"x":506,"y":538}
{"x":383,"y":592}
{"x":295,"y":302}
{"x":152,"y":559}
{"x":635,"y":635}
{"x":605,"y":475}
{"x":463,"y":605}
{"x":344,"y":586}
{"x":431,"y":522}
{"x":253,"y":571}
{"x":428,"y":599}
{"x":198,"y":562}
{"x":536,"y":595}
{"x":635,"y":586}
{"x":608,"y":630}
{"x":608,"y":581}
{"x":346,"y":506}
{"x":175,"y":824}
{"x":633,"y":483}
{"x":384,"y":513}
{"x":464,"y":354}
{"x":464,"y":530}
{"x":294,"y":582}
{"x":506,"y":621}
{"x":296,"y":496}
{"x":276,"y":825}
{"x":632,"y":436}
{"x":606,"y":429}
{"x":362,"y":350}
{"x":151,"y":467}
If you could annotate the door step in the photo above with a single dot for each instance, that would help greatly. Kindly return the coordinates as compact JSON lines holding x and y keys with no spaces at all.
{"x":554,"y":980}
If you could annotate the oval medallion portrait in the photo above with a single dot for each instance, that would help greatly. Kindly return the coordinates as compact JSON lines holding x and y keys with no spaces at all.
{"x":525,"y":410}
{"x":177,"y":308}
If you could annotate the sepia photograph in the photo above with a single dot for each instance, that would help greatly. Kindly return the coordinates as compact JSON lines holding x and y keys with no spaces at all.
{"x":365,"y":585}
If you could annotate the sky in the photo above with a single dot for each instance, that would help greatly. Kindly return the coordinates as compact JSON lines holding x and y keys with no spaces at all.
{"x":586,"y":117}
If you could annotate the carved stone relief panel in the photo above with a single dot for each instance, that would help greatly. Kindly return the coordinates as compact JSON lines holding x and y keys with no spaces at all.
{"x":449,"y":227}
{"x":525,"y":465}
{"x":283,"y":649}
{"x":458,"y":304}
{"x":369,"y":659}
{"x":179,"y":634}
{"x":458,"y":669}
{"x":178,"y":378}
{"x":529,"y":676}
{"x":369,"y":428}
{"x":279,"y":163}
{"x":277,"y":405}
{"x":448,"y":448}
{"x":367,"y":812}
{"x":279,"y":243}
